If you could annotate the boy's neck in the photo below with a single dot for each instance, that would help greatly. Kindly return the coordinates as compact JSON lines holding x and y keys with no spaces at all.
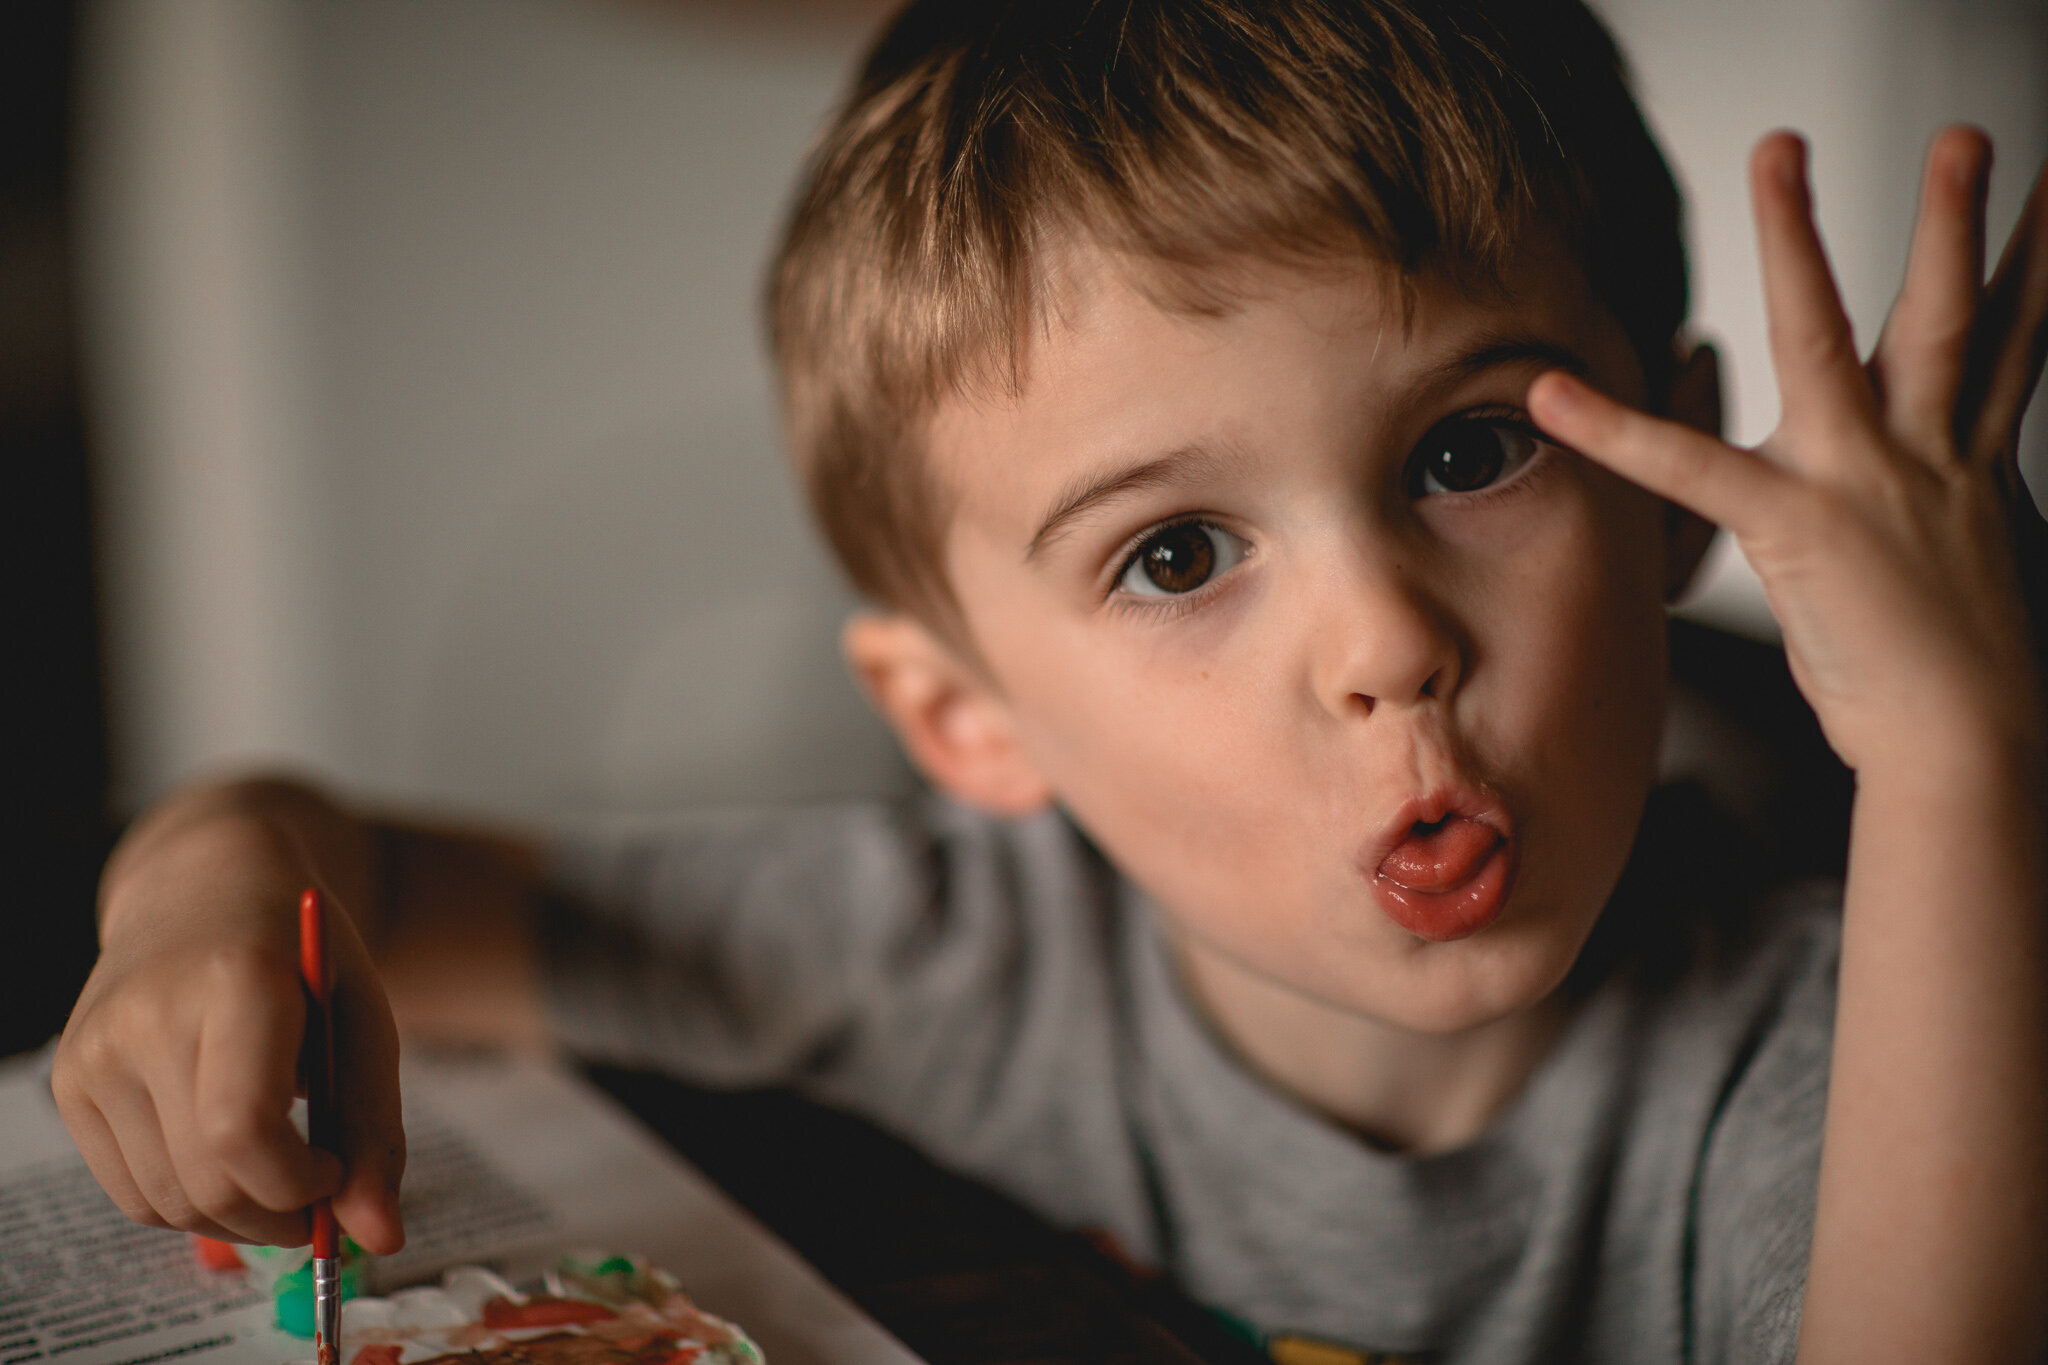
{"x":1399,"y":1089}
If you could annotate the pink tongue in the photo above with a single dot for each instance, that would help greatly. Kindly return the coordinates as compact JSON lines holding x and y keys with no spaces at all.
{"x":1437,"y":858}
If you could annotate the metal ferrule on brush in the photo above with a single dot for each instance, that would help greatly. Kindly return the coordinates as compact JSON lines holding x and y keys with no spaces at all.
{"x":326,"y":1307}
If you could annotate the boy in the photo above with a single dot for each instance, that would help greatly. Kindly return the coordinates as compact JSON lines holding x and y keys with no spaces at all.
{"x":1235,"y":409}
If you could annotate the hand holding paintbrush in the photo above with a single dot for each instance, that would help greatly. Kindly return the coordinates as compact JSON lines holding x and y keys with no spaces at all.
{"x":179,"y":1065}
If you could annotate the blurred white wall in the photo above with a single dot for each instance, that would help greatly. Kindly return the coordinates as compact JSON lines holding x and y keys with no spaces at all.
{"x":436,"y":434}
{"x":439,"y":447}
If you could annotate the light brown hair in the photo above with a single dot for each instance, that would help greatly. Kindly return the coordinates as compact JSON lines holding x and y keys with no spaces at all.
{"x":982,"y":135}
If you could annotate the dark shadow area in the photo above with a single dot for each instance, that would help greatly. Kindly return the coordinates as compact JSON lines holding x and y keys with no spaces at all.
{"x":958,"y":1272}
{"x":1763,"y":758}
{"x":55,"y":827}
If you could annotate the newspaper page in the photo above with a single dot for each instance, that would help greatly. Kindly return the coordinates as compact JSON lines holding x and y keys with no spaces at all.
{"x":512,"y":1162}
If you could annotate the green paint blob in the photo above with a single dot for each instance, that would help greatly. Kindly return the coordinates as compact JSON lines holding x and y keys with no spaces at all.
{"x":293,"y":1294}
{"x":1239,"y":1327}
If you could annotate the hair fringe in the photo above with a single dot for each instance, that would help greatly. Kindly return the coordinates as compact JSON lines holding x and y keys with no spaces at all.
{"x":982,"y":136}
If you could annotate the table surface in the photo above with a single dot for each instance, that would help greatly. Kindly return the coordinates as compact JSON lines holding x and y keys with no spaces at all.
{"x":956,"y":1270}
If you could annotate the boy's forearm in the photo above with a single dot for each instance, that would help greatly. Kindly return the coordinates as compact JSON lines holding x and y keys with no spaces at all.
{"x":253,"y":836}
{"x":446,"y":914}
{"x":1931,"y":1233}
{"x":460,"y":955}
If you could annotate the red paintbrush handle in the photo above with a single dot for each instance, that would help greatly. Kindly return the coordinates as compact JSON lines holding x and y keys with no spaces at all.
{"x":313,"y":943}
{"x":319,"y":1052}
{"x":326,"y":1237}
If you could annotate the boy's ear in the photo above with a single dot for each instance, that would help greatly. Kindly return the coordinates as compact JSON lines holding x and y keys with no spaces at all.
{"x":956,"y":728}
{"x":1695,"y":401}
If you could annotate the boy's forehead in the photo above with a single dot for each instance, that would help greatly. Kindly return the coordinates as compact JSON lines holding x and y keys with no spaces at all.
{"x":1123,"y":352}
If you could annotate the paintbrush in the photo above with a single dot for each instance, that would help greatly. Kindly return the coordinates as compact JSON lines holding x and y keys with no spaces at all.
{"x":320,"y":1121}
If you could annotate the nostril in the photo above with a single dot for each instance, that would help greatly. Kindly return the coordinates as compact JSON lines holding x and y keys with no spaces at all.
{"x":1362,"y":702}
{"x":1429,"y":685}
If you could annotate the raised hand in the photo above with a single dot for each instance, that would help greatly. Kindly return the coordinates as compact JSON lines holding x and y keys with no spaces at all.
{"x":1888,"y":522}
{"x":1885,"y":516}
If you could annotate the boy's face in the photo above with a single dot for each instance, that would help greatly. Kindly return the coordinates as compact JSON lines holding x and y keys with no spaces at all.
{"x":1290,"y":608}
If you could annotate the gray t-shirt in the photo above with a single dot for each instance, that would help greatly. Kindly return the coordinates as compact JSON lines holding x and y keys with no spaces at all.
{"x":997,"y":994}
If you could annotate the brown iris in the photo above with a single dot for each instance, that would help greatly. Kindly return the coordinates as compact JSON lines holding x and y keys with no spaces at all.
{"x":1179,"y":558}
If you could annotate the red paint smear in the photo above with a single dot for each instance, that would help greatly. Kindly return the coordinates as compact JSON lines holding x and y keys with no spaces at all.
{"x":542,"y":1310}
{"x":216,"y":1255}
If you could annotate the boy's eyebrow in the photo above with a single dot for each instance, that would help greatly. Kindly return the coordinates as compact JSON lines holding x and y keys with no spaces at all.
{"x":1513,"y":348}
{"x":1510,"y":349}
{"x":1086,"y":493}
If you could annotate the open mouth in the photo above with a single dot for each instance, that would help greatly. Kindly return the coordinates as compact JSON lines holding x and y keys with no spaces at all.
{"x":1446,"y":869}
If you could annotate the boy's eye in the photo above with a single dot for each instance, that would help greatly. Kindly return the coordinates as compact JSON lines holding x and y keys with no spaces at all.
{"x":1467,"y":454}
{"x":1179,"y":558}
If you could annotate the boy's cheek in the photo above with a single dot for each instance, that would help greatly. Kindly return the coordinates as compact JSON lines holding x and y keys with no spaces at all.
{"x":1182,"y":765}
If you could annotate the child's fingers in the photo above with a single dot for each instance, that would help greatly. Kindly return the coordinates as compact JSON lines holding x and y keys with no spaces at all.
{"x":241,"y":1097}
{"x":1726,"y":486}
{"x":107,"y":1106}
{"x":1822,"y":384}
{"x":102,"y":1153}
{"x":1924,"y":347}
{"x":2011,"y":338}
{"x":138,"y":1127}
{"x":203,"y":1192}
{"x":212,"y":1204}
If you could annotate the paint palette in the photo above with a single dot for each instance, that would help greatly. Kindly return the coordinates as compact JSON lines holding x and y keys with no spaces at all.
{"x":590,"y":1310}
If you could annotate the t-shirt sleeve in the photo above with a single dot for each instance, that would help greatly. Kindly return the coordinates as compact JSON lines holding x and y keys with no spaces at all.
{"x":937,"y":970}
{"x":1761,"y":1165}
{"x":741,"y":948}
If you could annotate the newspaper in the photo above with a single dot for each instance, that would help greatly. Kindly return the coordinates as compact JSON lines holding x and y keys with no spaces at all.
{"x":513,"y":1162}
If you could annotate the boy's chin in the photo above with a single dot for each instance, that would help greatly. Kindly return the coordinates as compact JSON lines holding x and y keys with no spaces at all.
{"x":1513,"y":967}
{"x":1449,"y":1012}
{"x":1440,"y":989}
{"x":1445,"y":996}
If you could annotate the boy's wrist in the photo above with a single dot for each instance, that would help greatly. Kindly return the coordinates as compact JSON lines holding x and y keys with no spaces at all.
{"x":211,"y":852}
{"x":1965,"y":788}
{"x":1995,"y":731}
{"x":1963,"y":752}
{"x":203,"y":868}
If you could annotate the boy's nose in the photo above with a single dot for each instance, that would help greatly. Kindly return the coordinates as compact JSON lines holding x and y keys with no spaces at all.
{"x":1387,"y":642}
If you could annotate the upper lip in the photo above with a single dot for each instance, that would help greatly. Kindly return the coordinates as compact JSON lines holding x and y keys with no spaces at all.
{"x":1464,"y":800}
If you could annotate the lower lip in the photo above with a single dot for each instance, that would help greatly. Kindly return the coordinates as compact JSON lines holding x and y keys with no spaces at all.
{"x":1451,"y":913}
